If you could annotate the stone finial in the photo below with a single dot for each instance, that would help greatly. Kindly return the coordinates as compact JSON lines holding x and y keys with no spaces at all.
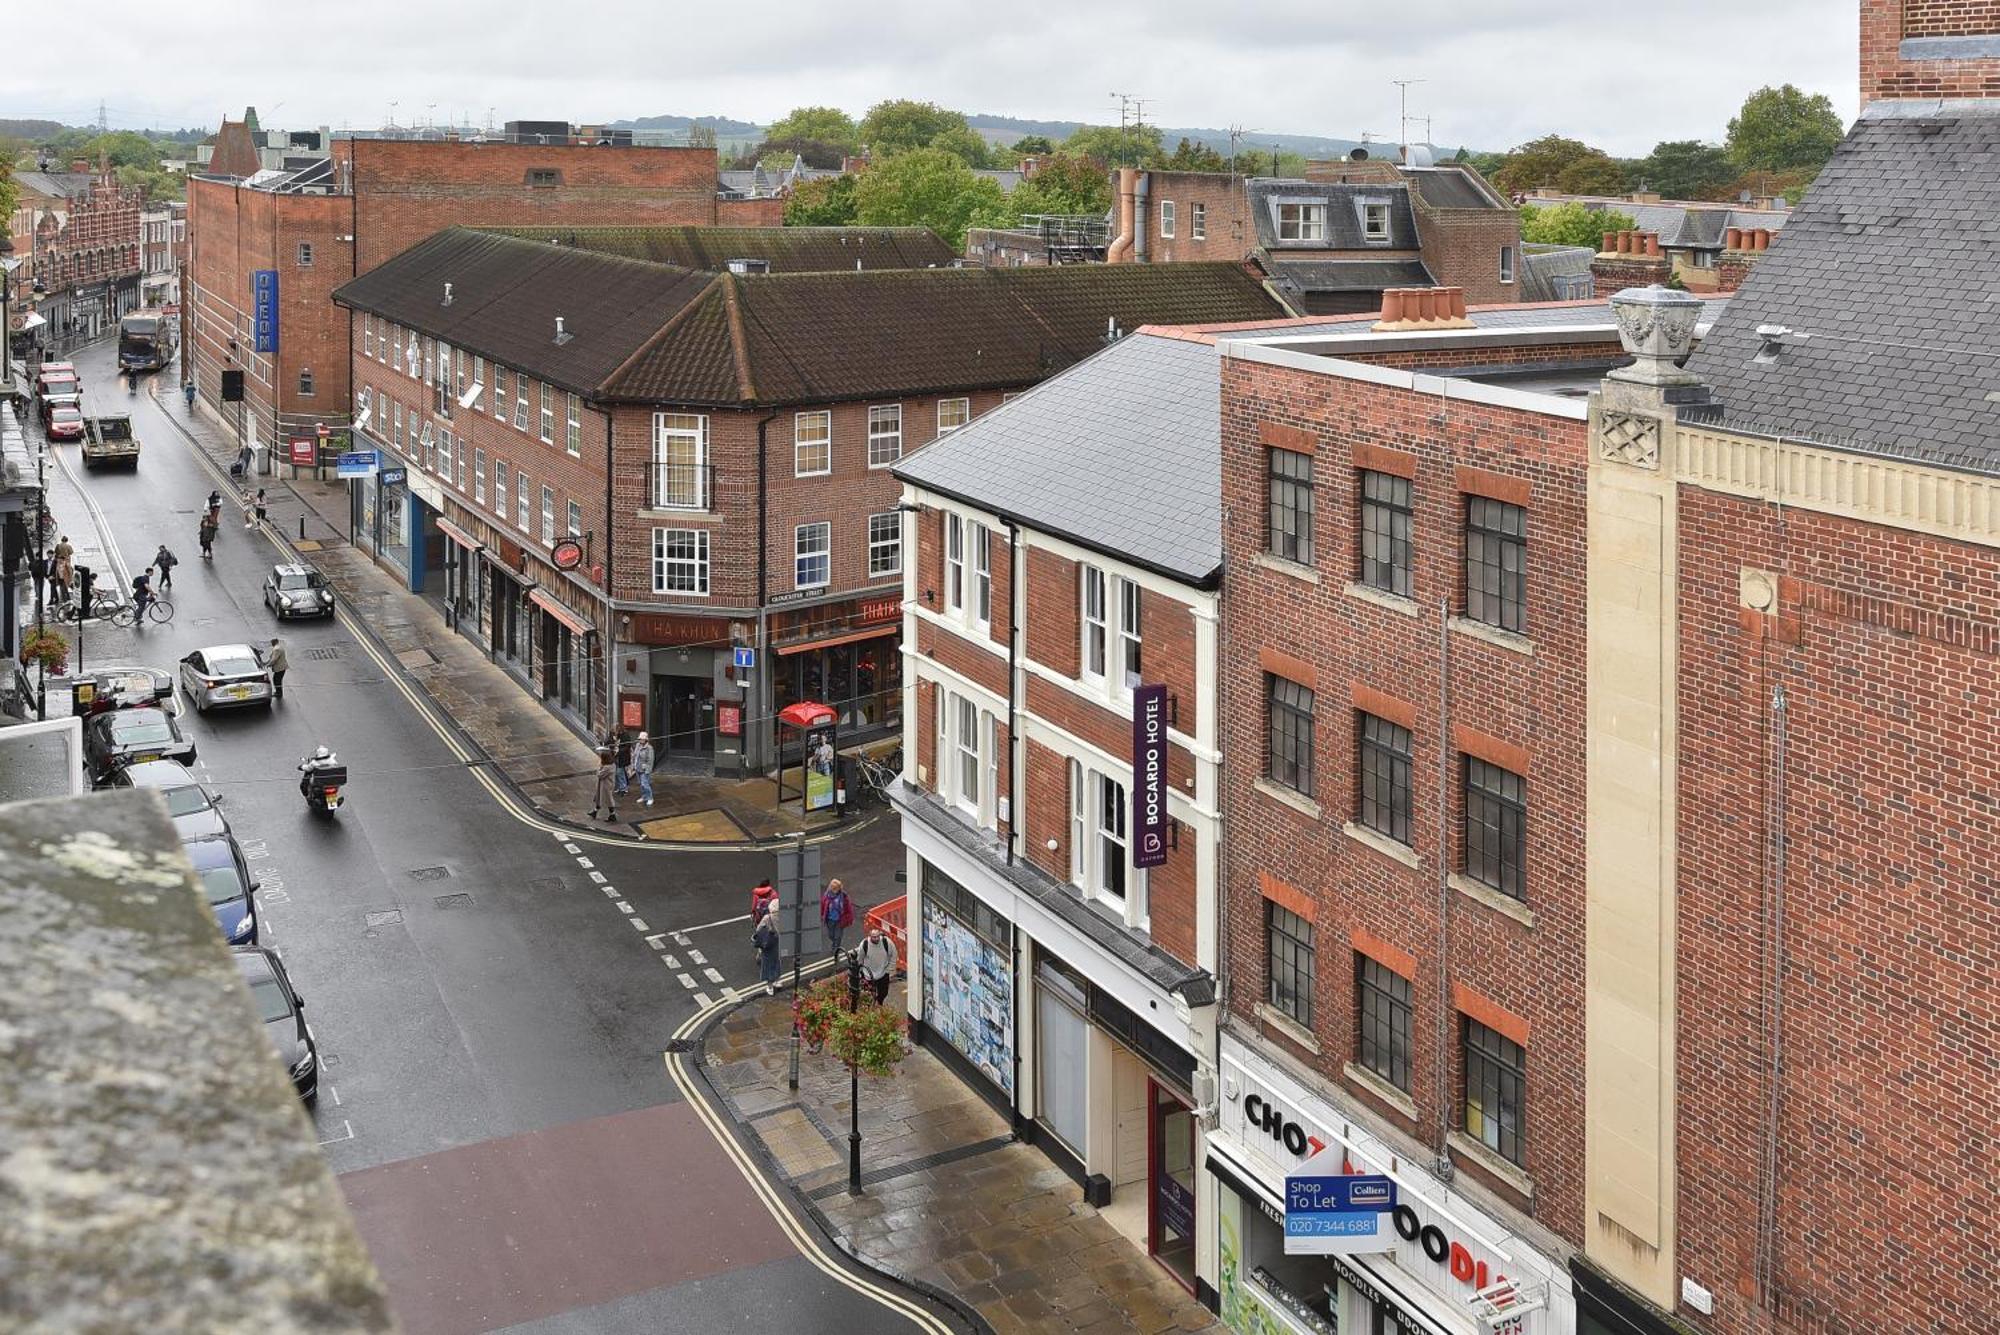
{"x":1656,"y":324}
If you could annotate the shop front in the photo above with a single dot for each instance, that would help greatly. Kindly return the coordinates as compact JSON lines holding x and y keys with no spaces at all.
{"x":678,"y":681}
{"x":847,"y":654}
{"x":465,"y":585}
{"x":394,"y":512}
{"x":1444,"y":1266}
{"x":565,"y":643}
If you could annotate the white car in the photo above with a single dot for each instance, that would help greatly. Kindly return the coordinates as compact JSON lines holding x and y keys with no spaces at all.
{"x":223,"y":675}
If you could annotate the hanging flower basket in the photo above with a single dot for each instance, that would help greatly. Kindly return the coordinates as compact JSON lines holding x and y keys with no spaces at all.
{"x":47,"y":647}
{"x":872,"y":1038}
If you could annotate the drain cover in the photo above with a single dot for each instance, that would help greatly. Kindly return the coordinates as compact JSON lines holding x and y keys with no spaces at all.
{"x":680,"y":1045}
{"x":546,"y":885}
{"x":461,"y":900}
{"x":429,"y":873}
{"x":386,"y":918}
{"x":325,"y":653}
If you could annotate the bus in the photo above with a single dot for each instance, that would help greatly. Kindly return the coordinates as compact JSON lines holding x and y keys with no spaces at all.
{"x":145,"y":341}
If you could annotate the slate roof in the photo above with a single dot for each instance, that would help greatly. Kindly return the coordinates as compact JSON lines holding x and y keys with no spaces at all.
{"x":1892,"y":266}
{"x":1315,"y":275}
{"x":1678,"y":223}
{"x":650,"y":332}
{"x":789,"y":249}
{"x":1544,"y":267}
{"x":1343,"y":212}
{"x":55,"y":185}
{"x":1121,"y":453}
{"x":1451,"y":188}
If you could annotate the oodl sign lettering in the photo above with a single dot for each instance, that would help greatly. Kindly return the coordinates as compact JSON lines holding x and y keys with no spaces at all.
{"x":264,"y":294}
{"x":1149,"y":776}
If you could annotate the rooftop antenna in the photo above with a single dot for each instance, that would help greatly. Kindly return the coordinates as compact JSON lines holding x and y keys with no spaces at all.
{"x":1404,"y":84}
{"x":1237,"y":134}
{"x":103,"y":123}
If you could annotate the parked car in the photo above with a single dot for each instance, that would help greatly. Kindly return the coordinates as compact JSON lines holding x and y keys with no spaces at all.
{"x":61,"y":394}
{"x":298,"y":591}
{"x":120,"y":687}
{"x":56,"y":378}
{"x":225,"y":878}
{"x":66,"y":423}
{"x":120,"y":737}
{"x":225,"y":675}
{"x":283,"y":1011}
{"x":196,"y":812}
{"x":108,"y":439}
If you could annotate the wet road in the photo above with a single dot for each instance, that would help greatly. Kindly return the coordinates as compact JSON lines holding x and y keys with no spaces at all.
{"x":489,"y":1007}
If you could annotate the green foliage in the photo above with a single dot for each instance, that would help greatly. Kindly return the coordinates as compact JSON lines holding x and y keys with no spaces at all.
{"x":1131,"y":146}
{"x":1687,"y":169}
{"x":826,"y":202}
{"x":10,"y":191}
{"x":815,"y":153}
{"x":828,"y":125}
{"x":1571,"y":224}
{"x":929,"y":187}
{"x":1189,"y":156}
{"x":900,"y":125}
{"x":860,"y":1034}
{"x":124,"y":148}
{"x":964,"y":144}
{"x":1782,"y":128}
{"x":1568,"y":165}
{"x":701,"y":136}
{"x":1031,"y":143}
{"x":156,"y":185}
{"x":1064,"y":184}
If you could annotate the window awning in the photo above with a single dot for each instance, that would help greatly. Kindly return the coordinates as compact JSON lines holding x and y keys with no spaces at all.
{"x":847,"y":638}
{"x":553,"y":605}
{"x":459,"y":536}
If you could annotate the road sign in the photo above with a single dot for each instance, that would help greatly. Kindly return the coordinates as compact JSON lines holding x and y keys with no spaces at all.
{"x":305,"y":452}
{"x":1330,"y":1213}
{"x":745,"y":657}
{"x":357,"y":463}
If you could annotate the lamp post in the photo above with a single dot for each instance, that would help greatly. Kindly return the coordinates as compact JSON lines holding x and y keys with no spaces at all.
{"x":853,"y":1081}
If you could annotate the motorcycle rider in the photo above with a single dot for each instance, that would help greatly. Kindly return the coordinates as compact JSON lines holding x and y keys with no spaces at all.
{"x":318,"y":760}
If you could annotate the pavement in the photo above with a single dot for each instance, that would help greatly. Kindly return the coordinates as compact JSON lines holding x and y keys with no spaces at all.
{"x":539,"y":755}
{"x":950,"y":1200}
{"x":491,"y":991}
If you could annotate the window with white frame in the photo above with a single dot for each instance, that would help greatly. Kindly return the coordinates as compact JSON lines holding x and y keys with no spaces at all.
{"x":305,"y":382}
{"x":461,"y":371}
{"x":305,"y":254}
{"x":982,"y":575}
{"x":811,"y":546}
{"x":1375,"y":221}
{"x":812,"y":444}
{"x":524,"y":513}
{"x":1096,"y":623}
{"x":885,"y":544}
{"x":1111,"y":845}
{"x":444,"y":454}
{"x":548,"y":413}
{"x":1130,"y":605}
{"x":680,"y":461}
{"x":1506,"y":264}
{"x":575,"y":518}
{"x":954,"y":563}
{"x":365,"y":403}
{"x":1079,"y":825}
{"x":966,"y":730}
{"x":500,"y":487}
{"x":953,"y":414}
{"x":479,"y":476}
{"x":680,"y":561}
{"x":367,"y":335}
{"x":885,"y":434}
{"x":1167,"y":219}
{"x":397,"y":436}
{"x":501,"y":399}
{"x":520,"y":401}
{"x":438,"y":365}
{"x":1301,"y":222}
{"x":429,"y":445}
{"x":573,"y":432}
{"x":1198,"y":222}
{"x":548,"y":515}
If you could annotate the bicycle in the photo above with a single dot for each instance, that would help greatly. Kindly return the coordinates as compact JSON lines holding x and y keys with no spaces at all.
{"x":157,"y":609}
{"x":103,"y":607}
{"x":879,"y":776}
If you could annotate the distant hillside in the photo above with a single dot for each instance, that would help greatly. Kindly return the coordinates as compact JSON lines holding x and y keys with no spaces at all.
{"x":29,"y":129}
{"x":724,"y":127}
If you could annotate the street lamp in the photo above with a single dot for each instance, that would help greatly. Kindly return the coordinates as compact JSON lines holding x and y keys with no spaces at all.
{"x":853,"y":1081}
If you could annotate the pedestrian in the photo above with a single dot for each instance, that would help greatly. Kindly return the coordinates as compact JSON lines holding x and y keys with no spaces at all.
{"x":207,"y":535}
{"x":142,"y":594}
{"x":606,"y":803}
{"x":276,"y":659}
{"x":621,"y":747}
{"x":165,"y":561}
{"x":249,"y":519}
{"x":188,"y":389}
{"x":244,"y":457}
{"x":766,"y":941}
{"x":836,"y":910}
{"x":642,"y":768}
{"x":61,"y":569}
{"x":763,"y":898}
{"x":260,"y":505}
{"x":878,"y":961}
{"x":215,"y":506}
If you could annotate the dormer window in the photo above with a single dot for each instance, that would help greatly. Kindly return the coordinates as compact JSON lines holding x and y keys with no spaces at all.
{"x":1375,"y":222}
{"x":1301,"y":222}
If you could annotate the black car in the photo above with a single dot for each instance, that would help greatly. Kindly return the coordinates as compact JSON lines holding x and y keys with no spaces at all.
{"x":283,"y":1011}
{"x":121,"y":737}
{"x":225,"y":879}
{"x":196,"y":812}
{"x":298,"y":591}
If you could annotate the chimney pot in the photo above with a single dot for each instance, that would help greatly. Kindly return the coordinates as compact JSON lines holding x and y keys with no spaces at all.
{"x":1763,"y":238}
{"x":1623,"y":243}
{"x":1458,"y":303}
{"x":1427,"y":305}
{"x":1393,"y":305}
{"x":1732,"y":238}
{"x":1652,"y":243}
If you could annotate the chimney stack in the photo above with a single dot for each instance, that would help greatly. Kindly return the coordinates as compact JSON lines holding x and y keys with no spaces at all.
{"x":1422,"y":308}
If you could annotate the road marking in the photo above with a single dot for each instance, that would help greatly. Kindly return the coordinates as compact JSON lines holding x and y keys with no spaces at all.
{"x":687,"y":981}
{"x":712,"y":976}
{"x":346,"y":1126}
{"x":624,"y":907}
{"x":610,"y":892}
{"x":681,"y":935}
{"x":598,"y":877}
{"x":639,"y":923}
{"x":336,"y":1094}
{"x":697,"y":956}
{"x":655,"y":939}
{"x":701,"y":1000}
{"x":680,"y":938}
{"x":672,"y":962}
{"x":569,"y":847}
{"x":585,"y":863}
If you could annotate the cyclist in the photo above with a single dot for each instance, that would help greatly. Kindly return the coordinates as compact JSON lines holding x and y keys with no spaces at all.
{"x":142,"y":594}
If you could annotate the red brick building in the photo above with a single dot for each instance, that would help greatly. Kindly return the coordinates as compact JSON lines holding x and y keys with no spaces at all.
{"x":723,"y":457}
{"x":322,"y":224}
{"x":78,"y":236}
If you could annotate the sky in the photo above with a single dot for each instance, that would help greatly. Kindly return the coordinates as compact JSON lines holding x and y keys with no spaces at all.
{"x":1495,"y":72}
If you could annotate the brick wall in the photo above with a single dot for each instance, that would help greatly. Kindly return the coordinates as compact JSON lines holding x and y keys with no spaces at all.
{"x":1227,"y":231}
{"x":1352,"y":648}
{"x":1045,"y":807}
{"x":1615,"y":272}
{"x":1605,"y":350}
{"x":1886,"y":74}
{"x":1461,"y":247}
{"x":1883,"y":642}
{"x":749,"y":213}
{"x":1053,"y":612}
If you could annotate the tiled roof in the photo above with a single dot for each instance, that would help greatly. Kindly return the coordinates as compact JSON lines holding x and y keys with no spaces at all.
{"x":55,"y":185}
{"x":235,"y":152}
{"x":506,"y":294}
{"x":789,"y":249}
{"x":1343,"y":213}
{"x":1121,"y":453}
{"x":662,"y":333}
{"x":1544,"y":267}
{"x":1452,"y":188}
{"x":1348,"y":275}
{"x":1888,"y":276}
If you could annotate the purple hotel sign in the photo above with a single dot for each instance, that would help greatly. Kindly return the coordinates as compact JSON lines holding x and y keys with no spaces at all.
{"x":1149,"y":776}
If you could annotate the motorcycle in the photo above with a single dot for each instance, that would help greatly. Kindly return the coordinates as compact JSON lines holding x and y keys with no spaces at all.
{"x":323,"y":784}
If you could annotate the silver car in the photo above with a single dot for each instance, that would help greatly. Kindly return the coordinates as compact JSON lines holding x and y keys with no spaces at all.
{"x":224,"y":675}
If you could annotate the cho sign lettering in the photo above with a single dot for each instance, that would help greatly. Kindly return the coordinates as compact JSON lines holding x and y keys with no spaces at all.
{"x":1149,"y":776}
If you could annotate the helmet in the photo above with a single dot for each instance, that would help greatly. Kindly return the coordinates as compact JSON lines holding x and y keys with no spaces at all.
{"x":322,"y":754}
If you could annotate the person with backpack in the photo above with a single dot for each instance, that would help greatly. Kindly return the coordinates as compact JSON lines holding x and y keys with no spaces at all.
{"x":763,"y":898}
{"x":164,"y":561}
{"x":878,"y":962}
{"x":836,"y":910}
{"x":206,"y":535}
{"x":766,"y":941}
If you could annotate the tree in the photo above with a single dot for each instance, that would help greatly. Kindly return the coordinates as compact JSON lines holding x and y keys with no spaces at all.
{"x":963,"y":143}
{"x":1569,"y":165}
{"x":123,"y":148}
{"x":1687,"y":169}
{"x":1571,"y":224}
{"x":154,"y":185}
{"x":1064,"y":184}
{"x":929,"y":187}
{"x":828,"y":125}
{"x":825,"y":202}
{"x":815,"y":152}
{"x":1035,"y":144}
{"x":1781,"y":128}
{"x":1192,"y":157}
{"x":899,"y":125}
{"x":1115,"y":146}
{"x":10,"y":192}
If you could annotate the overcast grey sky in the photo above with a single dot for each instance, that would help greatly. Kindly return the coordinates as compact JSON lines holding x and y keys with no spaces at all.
{"x":1497,"y":72}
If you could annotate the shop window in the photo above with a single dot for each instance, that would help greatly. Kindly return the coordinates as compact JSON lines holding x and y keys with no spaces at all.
{"x":1382,"y":1014}
{"x":812,"y":444}
{"x":885,"y":544}
{"x":1496,"y":1079}
{"x":885,"y":434}
{"x":680,"y":561}
{"x":811,"y":548}
{"x":1288,"y":941}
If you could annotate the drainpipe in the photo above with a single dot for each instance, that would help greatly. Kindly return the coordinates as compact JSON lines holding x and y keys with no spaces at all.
{"x":1016,"y":600}
{"x":1121,"y":247}
{"x":610,"y":597}
{"x":1141,"y":219}
{"x":764,"y":672}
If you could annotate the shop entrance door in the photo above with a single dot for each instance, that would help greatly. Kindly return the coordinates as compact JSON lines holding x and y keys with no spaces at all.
{"x":689,"y":710}
{"x":1170,"y":1224}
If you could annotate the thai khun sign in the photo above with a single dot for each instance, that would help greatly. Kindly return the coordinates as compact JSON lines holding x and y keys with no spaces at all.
{"x":1149,"y":776}
{"x":1329,"y":1213}
{"x":264,"y":291}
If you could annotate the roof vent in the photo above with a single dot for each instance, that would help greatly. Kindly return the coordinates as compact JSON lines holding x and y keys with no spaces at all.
{"x":447,"y":295}
{"x":1772,"y":340}
{"x":562,"y":335}
{"x":749,"y":266}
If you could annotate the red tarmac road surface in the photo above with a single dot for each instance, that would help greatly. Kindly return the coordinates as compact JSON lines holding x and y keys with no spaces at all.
{"x":528,"y":1226}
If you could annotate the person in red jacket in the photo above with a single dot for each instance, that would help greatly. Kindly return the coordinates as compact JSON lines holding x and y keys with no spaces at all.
{"x":836,"y":910}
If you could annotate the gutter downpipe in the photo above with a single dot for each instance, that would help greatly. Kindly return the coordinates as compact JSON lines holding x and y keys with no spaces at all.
{"x":1140,"y":218}
{"x":1121,"y":246}
{"x":763,"y":582}
{"x":610,"y":594}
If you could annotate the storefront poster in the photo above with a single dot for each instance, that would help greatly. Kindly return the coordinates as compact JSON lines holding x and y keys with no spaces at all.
{"x":729,"y":720}
{"x":305,"y":451}
{"x":819,"y":767}
{"x":969,"y":995}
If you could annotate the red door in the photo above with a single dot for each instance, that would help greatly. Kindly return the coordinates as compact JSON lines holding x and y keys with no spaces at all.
{"x":1170,"y":1198}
